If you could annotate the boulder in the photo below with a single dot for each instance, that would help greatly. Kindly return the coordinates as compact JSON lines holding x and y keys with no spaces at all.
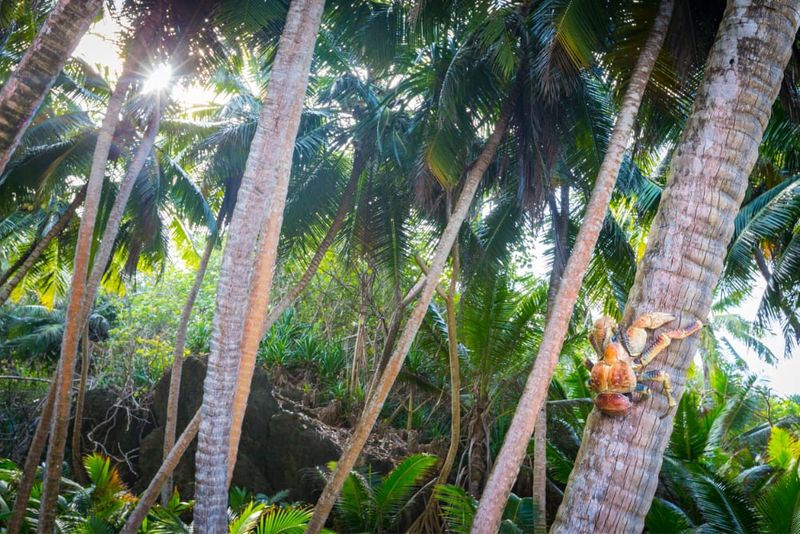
{"x":278,"y":449}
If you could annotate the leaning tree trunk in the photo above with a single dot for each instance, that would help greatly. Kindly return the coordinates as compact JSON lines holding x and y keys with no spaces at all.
{"x":684,"y":256}
{"x":73,"y":323}
{"x":507,"y":464}
{"x":30,"y":81}
{"x":170,"y":427}
{"x":268,"y":166}
{"x":262,"y":285}
{"x":111,"y":230}
{"x":148,"y":498}
{"x":378,"y":398}
{"x":14,"y":275}
{"x":78,"y":471}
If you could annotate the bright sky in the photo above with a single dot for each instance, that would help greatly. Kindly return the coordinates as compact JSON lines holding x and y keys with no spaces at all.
{"x":99,"y":48}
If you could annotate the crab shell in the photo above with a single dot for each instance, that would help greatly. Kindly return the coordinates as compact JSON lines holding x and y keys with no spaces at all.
{"x":613,"y":403}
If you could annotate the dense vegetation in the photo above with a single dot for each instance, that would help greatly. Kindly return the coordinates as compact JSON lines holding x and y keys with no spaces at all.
{"x":454,"y":164}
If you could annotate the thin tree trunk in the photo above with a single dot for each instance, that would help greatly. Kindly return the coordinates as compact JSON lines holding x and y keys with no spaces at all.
{"x":684,"y":256}
{"x":111,"y":230}
{"x":261,"y":198}
{"x":78,"y":472}
{"x":148,"y":498}
{"x":14,"y":275}
{"x":429,"y":519}
{"x":177,"y":357}
{"x":24,"y":92}
{"x":506,"y":467}
{"x":35,"y":451}
{"x":375,"y":404}
{"x":346,"y":202}
{"x":73,"y":324}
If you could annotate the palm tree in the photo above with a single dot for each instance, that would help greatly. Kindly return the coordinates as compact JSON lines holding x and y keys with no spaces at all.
{"x":261,"y":198}
{"x":27,"y":87}
{"x":711,"y":178}
{"x":508,"y":462}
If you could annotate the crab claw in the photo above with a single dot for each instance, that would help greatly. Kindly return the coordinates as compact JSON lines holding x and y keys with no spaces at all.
{"x":651,"y":321}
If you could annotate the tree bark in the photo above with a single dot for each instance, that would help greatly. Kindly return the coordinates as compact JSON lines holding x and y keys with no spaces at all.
{"x":171,"y":424}
{"x":35,"y":451}
{"x":109,"y":237}
{"x":378,"y":398}
{"x":148,"y":498}
{"x":24,"y":92}
{"x":73,"y":324}
{"x":259,"y":300}
{"x":506,"y":467}
{"x":261,"y":198}
{"x":14,"y":275}
{"x":684,"y":256}
{"x":78,"y":473}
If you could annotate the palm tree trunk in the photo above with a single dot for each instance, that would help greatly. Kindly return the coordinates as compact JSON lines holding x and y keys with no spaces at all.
{"x":77,"y":461}
{"x":38,"y":443}
{"x":260,"y":299}
{"x":14,"y":275}
{"x":177,"y":355}
{"x":109,"y":237}
{"x":261,"y":198}
{"x":148,"y":498}
{"x":73,"y":324}
{"x":684,"y":256}
{"x":504,"y":473}
{"x":30,"y":81}
{"x":346,"y":202}
{"x":378,"y":398}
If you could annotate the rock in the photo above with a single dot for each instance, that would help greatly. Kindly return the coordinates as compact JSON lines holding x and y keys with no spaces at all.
{"x":115,"y":428}
{"x":278,"y":449}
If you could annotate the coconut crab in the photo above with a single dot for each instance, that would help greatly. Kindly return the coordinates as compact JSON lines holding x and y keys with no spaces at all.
{"x":624,"y":353}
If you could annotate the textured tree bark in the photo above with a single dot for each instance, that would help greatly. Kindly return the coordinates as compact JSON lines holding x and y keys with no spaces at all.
{"x":35,"y":451}
{"x":74,"y":323}
{"x":262,"y":285}
{"x":78,"y":473}
{"x":171,"y":424}
{"x":261,"y":198}
{"x":30,"y":81}
{"x":148,"y":498}
{"x":109,"y":237}
{"x":684,"y":256}
{"x":506,"y":467}
{"x":378,"y":398}
{"x":17,"y":272}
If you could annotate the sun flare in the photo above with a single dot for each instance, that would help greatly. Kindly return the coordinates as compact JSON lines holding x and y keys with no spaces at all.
{"x":159,"y":79}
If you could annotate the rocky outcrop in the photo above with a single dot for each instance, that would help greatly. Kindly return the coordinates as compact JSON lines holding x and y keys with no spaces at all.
{"x":279,"y":449}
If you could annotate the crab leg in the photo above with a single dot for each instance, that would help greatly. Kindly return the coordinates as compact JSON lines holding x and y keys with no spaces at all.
{"x":641,"y":392}
{"x":664,"y":339}
{"x":657,"y":375}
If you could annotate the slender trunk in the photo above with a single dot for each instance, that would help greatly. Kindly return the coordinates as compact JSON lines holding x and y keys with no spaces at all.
{"x":263,"y":279}
{"x":73,"y":324}
{"x":560,"y":221}
{"x":477,"y":446}
{"x":35,"y":451}
{"x":171,"y":424}
{"x":24,"y":92}
{"x":391,"y":334}
{"x":148,"y":498}
{"x":346,"y":202}
{"x":429,"y":519}
{"x":375,"y":404}
{"x":360,"y":345}
{"x":261,"y":198}
{"x":684,"y":257}
{"x":14,"y":275}
{"x":77,"y":460}
{"x":109,"y":237}
{"x":502,"y":477}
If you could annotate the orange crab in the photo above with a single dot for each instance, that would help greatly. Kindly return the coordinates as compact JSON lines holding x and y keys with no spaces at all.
{"x":624,"y":353}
